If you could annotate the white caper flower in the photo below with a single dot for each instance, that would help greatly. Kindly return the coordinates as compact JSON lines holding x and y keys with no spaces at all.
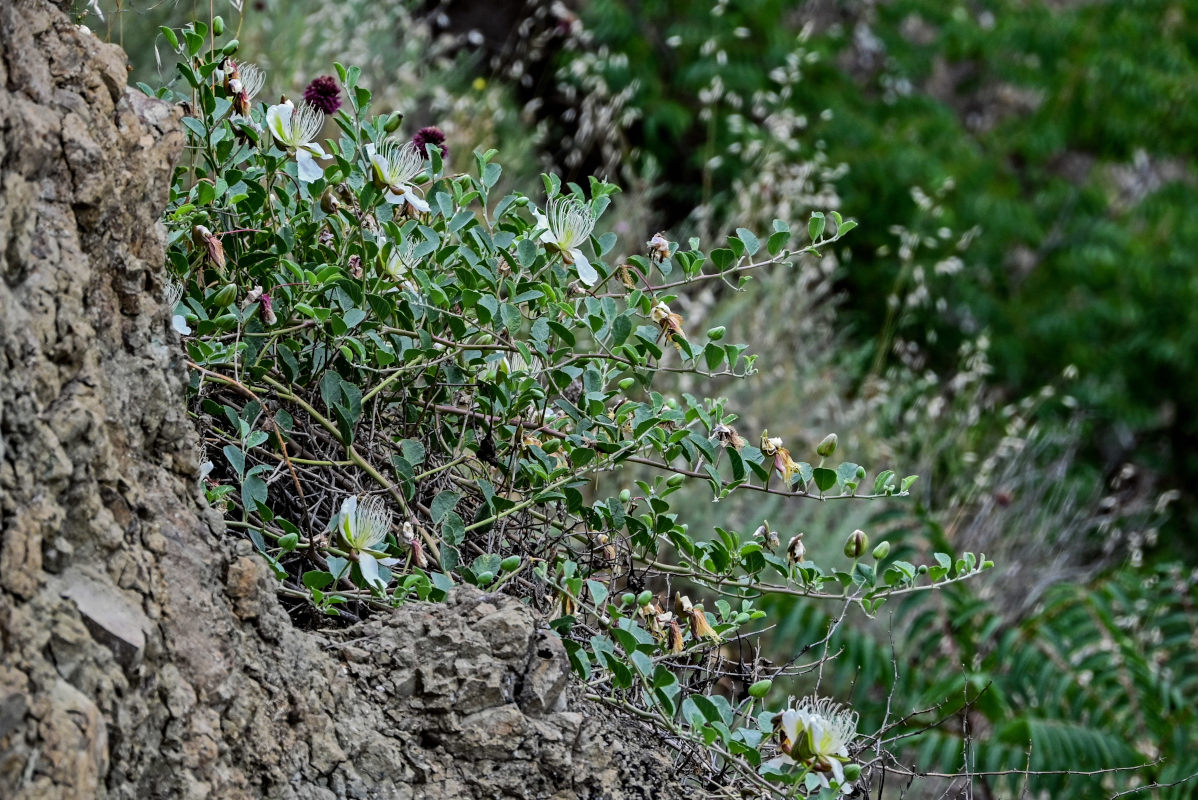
{"x":567,"y":224}
{"x":363,"y":525}
{"x":817,"y":734}
{"x":396,"y":165}
{"x":401,"y":260}
{"x":294,"y":129}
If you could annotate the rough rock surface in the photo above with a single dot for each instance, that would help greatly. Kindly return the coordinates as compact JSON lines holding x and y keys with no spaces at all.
{"x":142,"y":653}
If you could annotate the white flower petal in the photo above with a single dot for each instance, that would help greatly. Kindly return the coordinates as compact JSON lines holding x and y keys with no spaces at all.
{"x":179,"y":323}
{"x":585,"y":271}
{"x":315,"y":150}
{"x":309,"y":170}
{"x":278,"y":119}
{"x":369,"y":567}
{"x":416,"y":201}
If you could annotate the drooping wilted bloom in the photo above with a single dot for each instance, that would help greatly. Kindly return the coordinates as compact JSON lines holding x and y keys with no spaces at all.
{"x":727,"y":436}
{"x":673,"y":635}
{"x":396,"y":166}
{"x":767,"y":535}
{"x":817,"y":734}
{"x":211,"y":243}
{"x":243,"y":82}
{"x":268,"y":311}
{"x":412,"y":542}
{"x":363,"y":525}
{"x":700,"y":627}
{"x":796,"y":551}
{"x":433,"y":136}
{"x":659,"y":248}
{"x":252,"y":296}
{"x":567,"y":223}
{"x":324,"y":93}
{"x":669,"y":322}
{"x":783,"y":463}
{"x":294,"y":130}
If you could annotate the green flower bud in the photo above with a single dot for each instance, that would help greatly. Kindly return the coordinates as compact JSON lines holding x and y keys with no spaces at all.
{"x":716,"y":333}
{"x":625,"y":495}
{"x":551,"y":445}
{"x":218,"y":25}
{"x":675,"y":481}
{"x":881,"y":551}
{"x":289,"y":542}
{"x":857,"y":544}
{"x":644,"y":598}
{"x":627,"y":383}
{"x":627,"y":599}
{"x":225,"y":295}
{"x":231,"y":47}
{"x":827,"y":447}
{"x":485,"y":578}
{"x":226,"y":322}
{"x":510,"y":563}
{"x":852,"y":772}
{"x":760,"y":689}
{"x":393,"y":122}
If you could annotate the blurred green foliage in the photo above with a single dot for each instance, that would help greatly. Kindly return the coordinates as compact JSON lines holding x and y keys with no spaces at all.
{"x":1065,"y":133}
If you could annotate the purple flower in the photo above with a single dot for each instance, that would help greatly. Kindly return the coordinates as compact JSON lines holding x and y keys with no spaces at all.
{"x":324,"y":93}
{"x":431,"y":135}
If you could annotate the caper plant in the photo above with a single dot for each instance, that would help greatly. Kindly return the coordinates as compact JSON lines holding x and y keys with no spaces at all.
{"x":407,"y":382}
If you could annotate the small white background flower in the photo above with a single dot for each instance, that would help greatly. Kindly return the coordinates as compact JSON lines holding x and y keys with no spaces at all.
{"x":567,"y":224}
{"x":294,"y":130}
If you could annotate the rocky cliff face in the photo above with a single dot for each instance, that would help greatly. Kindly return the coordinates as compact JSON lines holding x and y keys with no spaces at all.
{"x":144,"y":654}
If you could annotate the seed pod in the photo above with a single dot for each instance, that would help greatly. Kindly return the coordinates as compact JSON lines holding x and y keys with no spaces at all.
{"x":857,"y":544}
